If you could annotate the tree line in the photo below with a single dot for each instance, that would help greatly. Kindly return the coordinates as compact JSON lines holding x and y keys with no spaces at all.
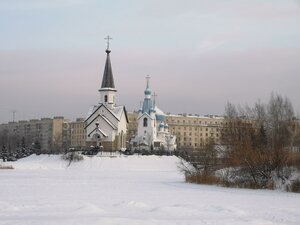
{"x":13,"y":147}
{"x":256,"y":148}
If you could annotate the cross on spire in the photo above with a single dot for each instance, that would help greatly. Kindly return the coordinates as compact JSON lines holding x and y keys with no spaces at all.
{"x":154,"y":97}
{"x":107,"y":38}
{"x":148,"y":79}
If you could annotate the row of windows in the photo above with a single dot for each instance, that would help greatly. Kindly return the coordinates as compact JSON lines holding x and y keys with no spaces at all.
{"x":78,"y":131}
{"x":190,"y":134}
{"x":195,"y":144}
{"x":77,"y":125}
{"x":196,"y":128}
{"x":196,"y":138}
{"x":196,"y":122}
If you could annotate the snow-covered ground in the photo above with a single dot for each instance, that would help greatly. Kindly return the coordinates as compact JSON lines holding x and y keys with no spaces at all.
{"x":130,"y":191}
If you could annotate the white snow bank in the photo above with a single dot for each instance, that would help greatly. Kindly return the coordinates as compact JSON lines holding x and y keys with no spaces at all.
{"x":130,"y":191}
{"x":119,"y":163}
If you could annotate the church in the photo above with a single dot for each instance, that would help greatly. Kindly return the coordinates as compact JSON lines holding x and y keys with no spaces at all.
{"x":153,"y":132}
{"x":106,"y":123}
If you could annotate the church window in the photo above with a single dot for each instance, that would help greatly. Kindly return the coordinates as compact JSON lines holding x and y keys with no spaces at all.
{"x":145,"y":122}
{"x":105,"y":98}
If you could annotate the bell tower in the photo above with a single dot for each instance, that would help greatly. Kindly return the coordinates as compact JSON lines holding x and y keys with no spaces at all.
{"x":108,"y":90}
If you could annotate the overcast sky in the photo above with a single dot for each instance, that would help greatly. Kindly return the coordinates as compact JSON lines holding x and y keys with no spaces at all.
{"x":199,"y":54}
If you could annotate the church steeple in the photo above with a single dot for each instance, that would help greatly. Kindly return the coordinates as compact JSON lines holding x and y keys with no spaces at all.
{"x":147,"y":104}
{"x":107,"y":90}
{"x":108,"y":79}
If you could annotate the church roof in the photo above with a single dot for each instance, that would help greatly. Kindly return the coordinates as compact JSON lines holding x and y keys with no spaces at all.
{"x":108,"y":79}
{"x":96,"y":130}
{"x":116,"y":112}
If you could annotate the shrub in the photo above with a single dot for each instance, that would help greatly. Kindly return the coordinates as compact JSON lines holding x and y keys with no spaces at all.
{"x":294,"y":159}
{"x":72,"y":157}
{"x":202,"y":179}
{"x":295,"y":186}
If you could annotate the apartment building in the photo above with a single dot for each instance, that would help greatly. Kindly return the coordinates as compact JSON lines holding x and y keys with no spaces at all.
{"x":192,"y":131}
{"x":50,"y":134}
{"x":78,"y":134}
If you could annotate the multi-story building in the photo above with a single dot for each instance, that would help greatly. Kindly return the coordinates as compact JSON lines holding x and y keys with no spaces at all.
{"x":192,"y":131}
{"x":51,"y":135}
{"x":78,"y":134}
{"x":132,"y":126}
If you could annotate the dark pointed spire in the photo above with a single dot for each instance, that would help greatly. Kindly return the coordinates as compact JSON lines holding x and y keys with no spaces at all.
{"x":108,"y":79}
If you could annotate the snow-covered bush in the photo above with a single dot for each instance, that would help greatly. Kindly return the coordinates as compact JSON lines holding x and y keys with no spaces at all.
{"x":72,"y":157}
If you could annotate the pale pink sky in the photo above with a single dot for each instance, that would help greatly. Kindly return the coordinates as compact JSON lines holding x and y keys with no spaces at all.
{"x":199,"y":54}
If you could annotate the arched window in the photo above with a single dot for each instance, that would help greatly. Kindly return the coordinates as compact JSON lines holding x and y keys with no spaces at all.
{"x":145,"y":122}
{"x":105,"y":98}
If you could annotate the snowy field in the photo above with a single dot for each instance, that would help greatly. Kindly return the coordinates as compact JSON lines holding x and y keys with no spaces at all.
{"x":130,"y":191}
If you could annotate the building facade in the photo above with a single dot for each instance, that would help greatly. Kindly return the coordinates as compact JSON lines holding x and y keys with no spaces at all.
{"x":78,"y":134}
{"x":194,"y":131}
{"x":191,"y":131}
{"x":47,"y":134}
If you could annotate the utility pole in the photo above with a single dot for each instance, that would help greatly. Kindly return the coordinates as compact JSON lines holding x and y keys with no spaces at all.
{"x":14,"y":111}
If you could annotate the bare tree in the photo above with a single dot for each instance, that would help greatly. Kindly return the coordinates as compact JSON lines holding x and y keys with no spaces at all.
{"x":258,"y":138}
{"x":199,"y":166}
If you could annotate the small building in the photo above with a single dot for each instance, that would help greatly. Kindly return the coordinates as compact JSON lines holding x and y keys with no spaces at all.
{"x":152,"y":130}
{"x":106,"y":123}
